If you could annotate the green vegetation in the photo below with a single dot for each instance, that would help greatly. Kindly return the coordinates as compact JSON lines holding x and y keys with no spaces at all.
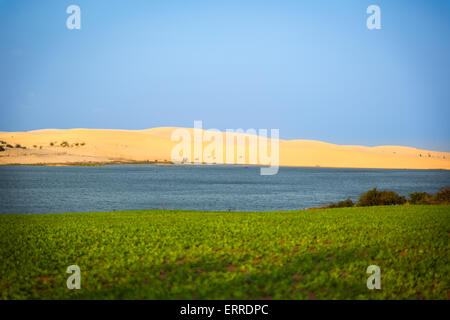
{"x":342,"y":204}
{"x":111,"y":163}
{"x":96,"y":163}
{"x":380,"y":198}
{"x":443,"y":196}
{"x":385,"y":198}
{"x":419,"y":198}
{"x":158,"y":254}
{"x":66,"y":144}
{"x":2,"y":148}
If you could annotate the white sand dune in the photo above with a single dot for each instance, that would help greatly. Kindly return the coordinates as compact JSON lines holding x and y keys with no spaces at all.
{"x":98,"y":145}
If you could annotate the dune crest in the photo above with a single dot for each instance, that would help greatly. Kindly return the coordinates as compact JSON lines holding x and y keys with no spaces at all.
{"x":59,"y":147}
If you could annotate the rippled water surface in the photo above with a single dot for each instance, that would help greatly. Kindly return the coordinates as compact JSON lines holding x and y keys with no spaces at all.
{"x":34,"y":189}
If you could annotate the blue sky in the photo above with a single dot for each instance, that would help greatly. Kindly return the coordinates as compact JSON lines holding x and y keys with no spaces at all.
{"x":310,"y":68}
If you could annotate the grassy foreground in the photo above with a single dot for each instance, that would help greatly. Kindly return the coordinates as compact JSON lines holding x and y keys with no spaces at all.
{"x":316,"y":254}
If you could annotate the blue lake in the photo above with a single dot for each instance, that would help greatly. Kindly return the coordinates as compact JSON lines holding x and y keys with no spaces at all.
{"x":35,"y":189}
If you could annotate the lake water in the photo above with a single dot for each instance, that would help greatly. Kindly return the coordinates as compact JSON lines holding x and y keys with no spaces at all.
{"x":34,"y":189}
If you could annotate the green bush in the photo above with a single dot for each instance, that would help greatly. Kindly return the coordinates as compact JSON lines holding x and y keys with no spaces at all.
{"x":442,"y":196}
{"x":419,"y":198}
{"x":380,"y":198}
{"x":342,"y":204}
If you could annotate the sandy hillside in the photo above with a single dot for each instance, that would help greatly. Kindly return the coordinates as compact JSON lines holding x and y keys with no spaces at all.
{"x":52,"y":146}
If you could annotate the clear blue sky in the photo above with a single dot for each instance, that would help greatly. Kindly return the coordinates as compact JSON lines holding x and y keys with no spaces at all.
{"x":310,"y":68}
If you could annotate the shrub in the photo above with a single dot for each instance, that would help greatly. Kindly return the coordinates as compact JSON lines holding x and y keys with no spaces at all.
{"x":64,"y":144}
{"x":419,"y":198}
{"x":2,"y":148}
{"x":9,"y":146}
{"x":380,"y":198}
{"x":51,"y":144}
{"x":18,"y":146}
{"x":442,"y":196}
{"x":341,"y":204}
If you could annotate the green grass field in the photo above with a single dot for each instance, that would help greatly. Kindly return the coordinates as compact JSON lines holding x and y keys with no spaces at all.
{"x":313,"y":254}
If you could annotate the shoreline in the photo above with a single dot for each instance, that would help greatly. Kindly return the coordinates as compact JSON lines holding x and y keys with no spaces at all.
{"x":172,"y":164}
{"x":175,"y":211}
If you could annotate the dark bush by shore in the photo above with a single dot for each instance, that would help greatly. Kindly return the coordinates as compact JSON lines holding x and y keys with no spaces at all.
{"x":380,"y":198}
{"x":375,"y":197}
{"x":419,"y":198}
{"x":342,"y":204}
{"x":442,"y":197}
